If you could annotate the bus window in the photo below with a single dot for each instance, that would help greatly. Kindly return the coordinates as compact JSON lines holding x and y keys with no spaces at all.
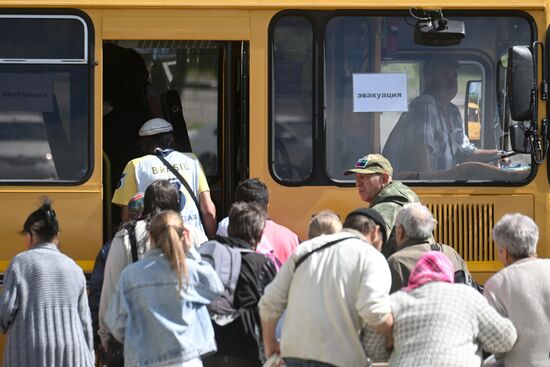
{"x":384,"y":93}
{"x":292,"y":99}
{"x":349,"y":51}
{"x":44,"y":110}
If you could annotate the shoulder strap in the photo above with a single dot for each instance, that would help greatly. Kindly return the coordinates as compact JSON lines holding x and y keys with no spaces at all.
{"x":436,"y":247}
{"x":180,"y":179}
{"x":133,"y":242}
{"x":304,"y":258}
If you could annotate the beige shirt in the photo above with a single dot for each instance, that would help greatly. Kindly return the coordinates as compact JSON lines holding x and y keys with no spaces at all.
{"x":330,"y":297}
{"x":404,"y":259}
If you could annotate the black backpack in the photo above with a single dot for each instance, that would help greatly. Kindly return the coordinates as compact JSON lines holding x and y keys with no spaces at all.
{"x":461,"y":276}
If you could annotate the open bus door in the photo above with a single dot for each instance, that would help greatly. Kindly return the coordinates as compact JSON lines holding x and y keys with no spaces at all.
{"x":201,"y":87}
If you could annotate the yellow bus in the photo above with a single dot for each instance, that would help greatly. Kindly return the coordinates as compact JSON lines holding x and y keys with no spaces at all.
{"x":290,"y":91}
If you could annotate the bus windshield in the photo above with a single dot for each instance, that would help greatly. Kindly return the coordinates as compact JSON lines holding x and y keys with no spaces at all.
{"x":438,"y":113}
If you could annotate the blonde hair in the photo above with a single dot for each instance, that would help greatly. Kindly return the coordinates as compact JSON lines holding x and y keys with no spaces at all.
{"x":324,"y":222}
{"x":166,"y":233}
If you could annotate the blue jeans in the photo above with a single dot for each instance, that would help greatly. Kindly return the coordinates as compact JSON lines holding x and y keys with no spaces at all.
{"x":297,"y":362}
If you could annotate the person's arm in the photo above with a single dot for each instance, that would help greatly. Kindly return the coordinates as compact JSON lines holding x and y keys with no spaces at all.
{"x":208,"y":211}
{"x":396,"y":275}
{"x":126,"y":188}
{"x":275,"y":297}
{"x":116,"y":261}
{"x":9,"y":299}
{"x":484,"y":155}
{"x":374,"y":344}
{"x":373,"y":300}
{"x":496,"y":333}
{"x":271,"y":345}
{"x":490,"y":292}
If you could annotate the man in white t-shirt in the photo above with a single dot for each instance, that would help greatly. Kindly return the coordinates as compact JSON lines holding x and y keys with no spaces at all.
{"x":156,"y":136}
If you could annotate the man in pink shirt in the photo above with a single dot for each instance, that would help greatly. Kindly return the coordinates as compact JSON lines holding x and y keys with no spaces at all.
{"x":277,"y":240}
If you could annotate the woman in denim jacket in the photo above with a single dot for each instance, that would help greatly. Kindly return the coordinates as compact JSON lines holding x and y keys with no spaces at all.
{"x":159,"y":310}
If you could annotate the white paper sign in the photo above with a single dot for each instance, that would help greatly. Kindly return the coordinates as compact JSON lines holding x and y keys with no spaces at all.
{"x":379,"y":92}
{"x":26,"y":92}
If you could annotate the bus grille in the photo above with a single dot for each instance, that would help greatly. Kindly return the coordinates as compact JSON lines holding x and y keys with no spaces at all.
{"x":467,"y":228}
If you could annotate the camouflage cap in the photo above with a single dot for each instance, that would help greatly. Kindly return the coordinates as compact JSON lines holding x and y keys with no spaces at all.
{"x":372,"y":163}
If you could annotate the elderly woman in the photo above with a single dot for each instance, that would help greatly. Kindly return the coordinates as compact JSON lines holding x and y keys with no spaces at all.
{"x":521,"y":290}
{"x":44,"y":306}
{"x":437,"y":323}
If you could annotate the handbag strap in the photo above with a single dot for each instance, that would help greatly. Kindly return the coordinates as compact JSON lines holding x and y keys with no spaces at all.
{"x":180,"y":178}
{"x":326,"y":245}
{"x":133,"y":242}
{"x":436,"y":247}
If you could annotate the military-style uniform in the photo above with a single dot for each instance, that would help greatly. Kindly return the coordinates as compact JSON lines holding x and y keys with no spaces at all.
{"x":388,"y":202}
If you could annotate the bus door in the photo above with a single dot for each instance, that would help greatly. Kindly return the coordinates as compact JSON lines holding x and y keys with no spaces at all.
{"x":198,"y":86}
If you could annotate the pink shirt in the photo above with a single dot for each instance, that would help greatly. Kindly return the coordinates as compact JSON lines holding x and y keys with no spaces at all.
{"x":279,"y":239}
{"x":276,"y":239}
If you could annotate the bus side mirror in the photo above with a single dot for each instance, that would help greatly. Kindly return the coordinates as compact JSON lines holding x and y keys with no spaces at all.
{"x":521,"y":83}
{"x":518,"y":140}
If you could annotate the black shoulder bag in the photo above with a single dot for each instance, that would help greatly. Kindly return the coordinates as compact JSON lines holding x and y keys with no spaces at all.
{"x":461,"y":276}
{"x":183,"y":182}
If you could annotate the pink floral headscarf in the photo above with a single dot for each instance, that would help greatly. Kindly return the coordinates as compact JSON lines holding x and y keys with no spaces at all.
{"x":433,"y":266}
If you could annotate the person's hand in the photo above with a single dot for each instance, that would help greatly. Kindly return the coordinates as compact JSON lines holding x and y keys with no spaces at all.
{"x":505,"y":162}
{"x":271,"y":348}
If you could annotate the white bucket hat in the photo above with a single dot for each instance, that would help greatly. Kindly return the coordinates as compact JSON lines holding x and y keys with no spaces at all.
{"x":155,"y":126}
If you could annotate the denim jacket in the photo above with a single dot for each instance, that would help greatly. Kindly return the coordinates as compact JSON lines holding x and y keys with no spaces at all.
{"x":158,"y":325}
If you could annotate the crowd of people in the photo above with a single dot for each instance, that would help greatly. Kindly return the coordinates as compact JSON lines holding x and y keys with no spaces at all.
{"x":375,"y":287}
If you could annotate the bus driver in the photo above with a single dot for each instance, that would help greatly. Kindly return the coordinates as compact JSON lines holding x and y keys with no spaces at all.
{"x":430,"y":136}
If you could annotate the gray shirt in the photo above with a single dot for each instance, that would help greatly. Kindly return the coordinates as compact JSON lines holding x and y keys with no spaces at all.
{"x":521,"y":291}
{"x":44,"y":309}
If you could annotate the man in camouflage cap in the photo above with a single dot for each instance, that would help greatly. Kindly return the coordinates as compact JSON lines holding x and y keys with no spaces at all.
{"x":373,"y":179}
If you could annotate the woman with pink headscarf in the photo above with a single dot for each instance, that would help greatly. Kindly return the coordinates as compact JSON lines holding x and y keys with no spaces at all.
{"x":438,"y":323}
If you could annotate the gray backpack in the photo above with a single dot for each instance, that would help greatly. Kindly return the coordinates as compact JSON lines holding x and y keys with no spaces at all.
{"x":226,"y":260}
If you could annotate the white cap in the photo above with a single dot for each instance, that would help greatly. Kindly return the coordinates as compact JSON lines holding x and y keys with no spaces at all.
{"x":155,"y":126}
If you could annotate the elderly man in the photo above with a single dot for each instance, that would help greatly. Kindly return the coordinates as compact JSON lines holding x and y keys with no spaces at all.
{"x":371,"y":225}
{"x":414,"y":226}
{"x":331,"y":287}
{"x":156,"y":139}
{"x":373,"y":179}
{"x":430,"y":136}
{"x":521,"y":291}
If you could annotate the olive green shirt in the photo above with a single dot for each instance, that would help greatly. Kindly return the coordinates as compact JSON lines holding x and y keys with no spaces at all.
{"x":388,"y":202}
